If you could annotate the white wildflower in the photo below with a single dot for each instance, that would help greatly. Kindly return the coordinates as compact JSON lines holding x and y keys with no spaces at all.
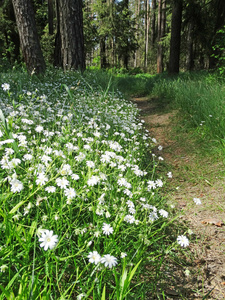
{"x":16,"y":185}
{"x":62,"y":182}
{"x":163,"y":213}
{"x":94,"y":180}
{"x":123,"y":254}
{"x":169,"y":174}
{"x":75,"y":176}
{"x":129,"y":219}
{"x":48,"y":240}
{"x":50,"y":189}
{"x":70,"y":193}
{"x":41,"y":179}
{"x":197,"y":201}
{"x":183,"y":241}
{"x":107,"y":229}
{"x":109,"y":261}
{"x":94,"y":257}
{"x":5,"y":87}
{"x":39,"y":128}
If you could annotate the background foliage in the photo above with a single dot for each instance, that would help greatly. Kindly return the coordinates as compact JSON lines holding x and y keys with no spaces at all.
{"x":126,"y":33}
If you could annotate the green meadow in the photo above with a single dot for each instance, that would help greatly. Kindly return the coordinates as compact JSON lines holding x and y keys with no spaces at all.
{"x":82,"y":215}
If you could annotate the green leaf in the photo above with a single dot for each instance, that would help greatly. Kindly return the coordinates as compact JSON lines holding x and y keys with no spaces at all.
{"x":124,"y":277}
{"x":65,"y":258}
{"x":14,"y":145}
{"x":9,"y":294}
{"x":14,"y":209}
{"x":131,"y":274}
{"x":103,"y":294}
{"x":2,"y":118}
{"x":5,"y":196}
{"x":32,"y":228}
{"x":5,"y":293}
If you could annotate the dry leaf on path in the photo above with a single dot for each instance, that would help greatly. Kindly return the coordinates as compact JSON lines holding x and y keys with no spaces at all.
{"x":215,"y":222}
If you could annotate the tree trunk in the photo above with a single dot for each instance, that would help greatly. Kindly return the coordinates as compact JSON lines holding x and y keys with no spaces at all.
{"x":50,"y":17}
{"x":174,"y":61}
{"x":71,"y":34}
{"x":102,"y":41}
{"x":137,"y":13}
{"x":126,"y":55}
{"x":103,"y":53}
{"x":146,"y":34}
{"x":152,"y":23}
{"x":58,"y":43}
{"x":159,"y":47}
{"x":29,"y":41}
{"x":190,"y":37}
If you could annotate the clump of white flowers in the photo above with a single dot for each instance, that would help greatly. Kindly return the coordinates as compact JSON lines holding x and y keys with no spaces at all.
{"x":107,"y":259}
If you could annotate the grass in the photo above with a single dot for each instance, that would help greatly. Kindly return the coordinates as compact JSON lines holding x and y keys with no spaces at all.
{"x":76,"y":160}
{"x":199,"y":97}
{"x":198,"y":133}
{"x":81,"y":213}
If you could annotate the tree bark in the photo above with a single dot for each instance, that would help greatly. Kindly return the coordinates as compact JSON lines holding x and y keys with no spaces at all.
{"x":102,"y":42}
{"x":137,"y":13}
{"x":29,"y":41}
{"x":50,"y":17}
{"x":152,"y":23}
{"x":174,"y":61}
{"x":126,"y":55}
{"x":71,"y":34}
{"x":103,"y":52}
{"x":190,"y":37}
{"x":146,"y":33}
{"x":159,"y":47}
{"x":58,"y":43}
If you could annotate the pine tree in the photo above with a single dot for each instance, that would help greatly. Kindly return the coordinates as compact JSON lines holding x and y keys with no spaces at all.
{"x":29,"y":40}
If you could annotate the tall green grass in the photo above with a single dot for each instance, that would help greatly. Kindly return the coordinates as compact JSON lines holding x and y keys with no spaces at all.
{"x":200,"y":96}
{"x":201,"y":100}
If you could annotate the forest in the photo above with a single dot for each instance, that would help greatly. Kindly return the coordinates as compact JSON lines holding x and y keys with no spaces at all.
{"x":150,"y":36}
{"x":112,"y":142}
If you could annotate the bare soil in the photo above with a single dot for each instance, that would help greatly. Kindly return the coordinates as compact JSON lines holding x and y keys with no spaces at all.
{"x":200,"y":274}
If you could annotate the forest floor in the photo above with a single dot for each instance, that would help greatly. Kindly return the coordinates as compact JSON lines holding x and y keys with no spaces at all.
{"x":200,"y":271}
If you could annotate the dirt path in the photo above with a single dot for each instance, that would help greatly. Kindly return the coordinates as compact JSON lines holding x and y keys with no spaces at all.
{"x":194,"y":176}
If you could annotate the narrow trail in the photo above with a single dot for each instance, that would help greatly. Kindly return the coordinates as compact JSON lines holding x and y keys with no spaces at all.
{"x":194,"y":176}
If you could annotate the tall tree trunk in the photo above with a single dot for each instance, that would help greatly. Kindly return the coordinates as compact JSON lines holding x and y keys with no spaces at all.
{"x":161,"y":34}
{"x":110,"y":48}
{"x":58,"y":42}
{"x":126,"y":55}
{"x":174,"y":61}
{"x":103,"y":52}
{"x":152,"y":23}
{"x":159,"y":47}
{"x":137,"y":12}
{"x":29,"y":41}
{"x":146,"y":33}
{"x":50,"y":17}
{"x":190,"y":37}
{"x":71,"y":33}
{"x":103,"y":62}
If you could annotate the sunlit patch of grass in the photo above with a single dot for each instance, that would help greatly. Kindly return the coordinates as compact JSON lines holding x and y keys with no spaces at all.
{"x":198,"y":95}
{"x":200,"y":100}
